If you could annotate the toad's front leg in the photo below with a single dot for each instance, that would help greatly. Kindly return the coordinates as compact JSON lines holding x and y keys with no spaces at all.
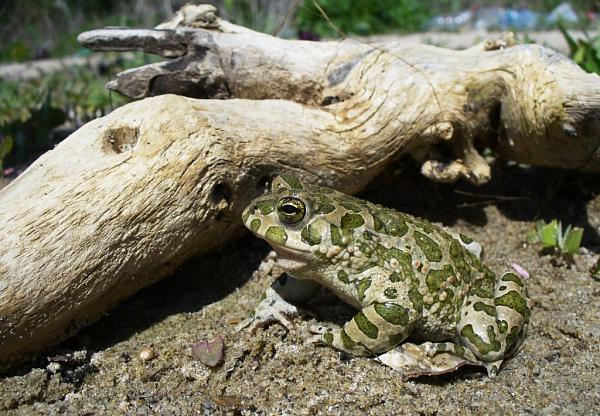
{"x":278,"y":302}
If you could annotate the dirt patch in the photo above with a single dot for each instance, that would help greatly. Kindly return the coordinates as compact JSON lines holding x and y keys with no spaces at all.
{"x":138,"y":359}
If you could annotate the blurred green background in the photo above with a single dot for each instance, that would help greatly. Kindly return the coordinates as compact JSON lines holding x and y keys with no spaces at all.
{"x":30,"y":28}
{"x":38,"y":111}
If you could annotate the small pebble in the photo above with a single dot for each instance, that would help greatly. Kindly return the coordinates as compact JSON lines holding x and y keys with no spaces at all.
{"x":147,"y":354}
{"x":520,"y":270}
{"x":209,"y":353}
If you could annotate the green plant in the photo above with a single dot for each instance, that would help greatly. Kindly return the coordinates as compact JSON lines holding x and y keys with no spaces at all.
{"x":31,"y":109}
{"x":362,"y":17}
{"x":585,"y":52}
{"x":32,"y":29}
{"x":6,"y":145}
{"x":552,"y":237}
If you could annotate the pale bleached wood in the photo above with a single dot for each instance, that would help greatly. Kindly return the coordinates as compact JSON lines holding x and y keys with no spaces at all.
{"x":128,"y":197}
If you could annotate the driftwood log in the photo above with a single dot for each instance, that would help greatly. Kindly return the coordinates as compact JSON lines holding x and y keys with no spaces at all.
{"x":128,"y":197}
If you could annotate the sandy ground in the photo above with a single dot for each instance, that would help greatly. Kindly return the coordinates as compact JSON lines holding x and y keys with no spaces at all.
{"x":100,"y":371}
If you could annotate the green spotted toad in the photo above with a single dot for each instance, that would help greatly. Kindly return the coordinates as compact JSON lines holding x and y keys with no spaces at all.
{"x":404,"y":275}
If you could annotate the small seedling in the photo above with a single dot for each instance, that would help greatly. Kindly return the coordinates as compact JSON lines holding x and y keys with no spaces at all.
{"x":552,"y":237}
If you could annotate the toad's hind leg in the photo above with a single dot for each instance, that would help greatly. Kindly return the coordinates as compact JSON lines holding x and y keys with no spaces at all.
{"x":375,"y":329}
{"x":428,"y":358}
{"x":493,"y":327}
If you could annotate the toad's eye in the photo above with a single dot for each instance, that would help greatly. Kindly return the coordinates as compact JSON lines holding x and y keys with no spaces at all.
{"x":291,"y":210}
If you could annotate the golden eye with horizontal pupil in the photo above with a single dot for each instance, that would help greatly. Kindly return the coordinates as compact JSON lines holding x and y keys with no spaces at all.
{"x":291,"y":210}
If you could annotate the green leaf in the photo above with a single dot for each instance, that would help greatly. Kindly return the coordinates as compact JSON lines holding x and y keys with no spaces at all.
{"x":573,"y":240}
{"x":549,"y":234}
{"x":579,"y":55}
{"x":570,"y":41}
{"x":592,"y":63}
{"x":595,"y":43}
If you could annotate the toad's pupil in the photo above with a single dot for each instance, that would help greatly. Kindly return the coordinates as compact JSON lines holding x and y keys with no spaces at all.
{"x":289,"y":209}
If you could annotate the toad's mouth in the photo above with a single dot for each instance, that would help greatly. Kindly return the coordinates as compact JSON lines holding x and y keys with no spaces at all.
{"x":290,"y":249}
{"x":291,"y":259}
{"x":287,"y":251}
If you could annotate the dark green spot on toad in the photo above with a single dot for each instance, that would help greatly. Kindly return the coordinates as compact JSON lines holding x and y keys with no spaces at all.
{"x":390,"y":293}
{"x":392,"y":312}
{"x":511,"y":277}
{"x":255,"y":225}
{"x":265,"y":207}
{"x":389,"y":222}
{"x":416,"y":298}
{"x":351,"y":221}
{"x":324,"y":209}
{"x":377,"y":223}
{"x":351,"y":207}
{"x":459,"y":350}
{"x":429,"y":247}
{"x":465,"y":239}
{"x":346,"y":340}
{"x":276,"y":234}
{"x":424,"y":225}
{"x":395,"y":277}
{"x":362,"y":287}
{"x":343,"y":276}
{"x":336,"y":236}
{"x":458,"y":258}
{"x":512,"y":335}
{"x":502,"y":326}
{"x":310,"y":235}
{"x":488,"y":309}
{"x":482,"y":346}
{"x":478,"y":290}
{"x":365,"y":326}
{"x":436,"y":277}
{"x":514,"y":301}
